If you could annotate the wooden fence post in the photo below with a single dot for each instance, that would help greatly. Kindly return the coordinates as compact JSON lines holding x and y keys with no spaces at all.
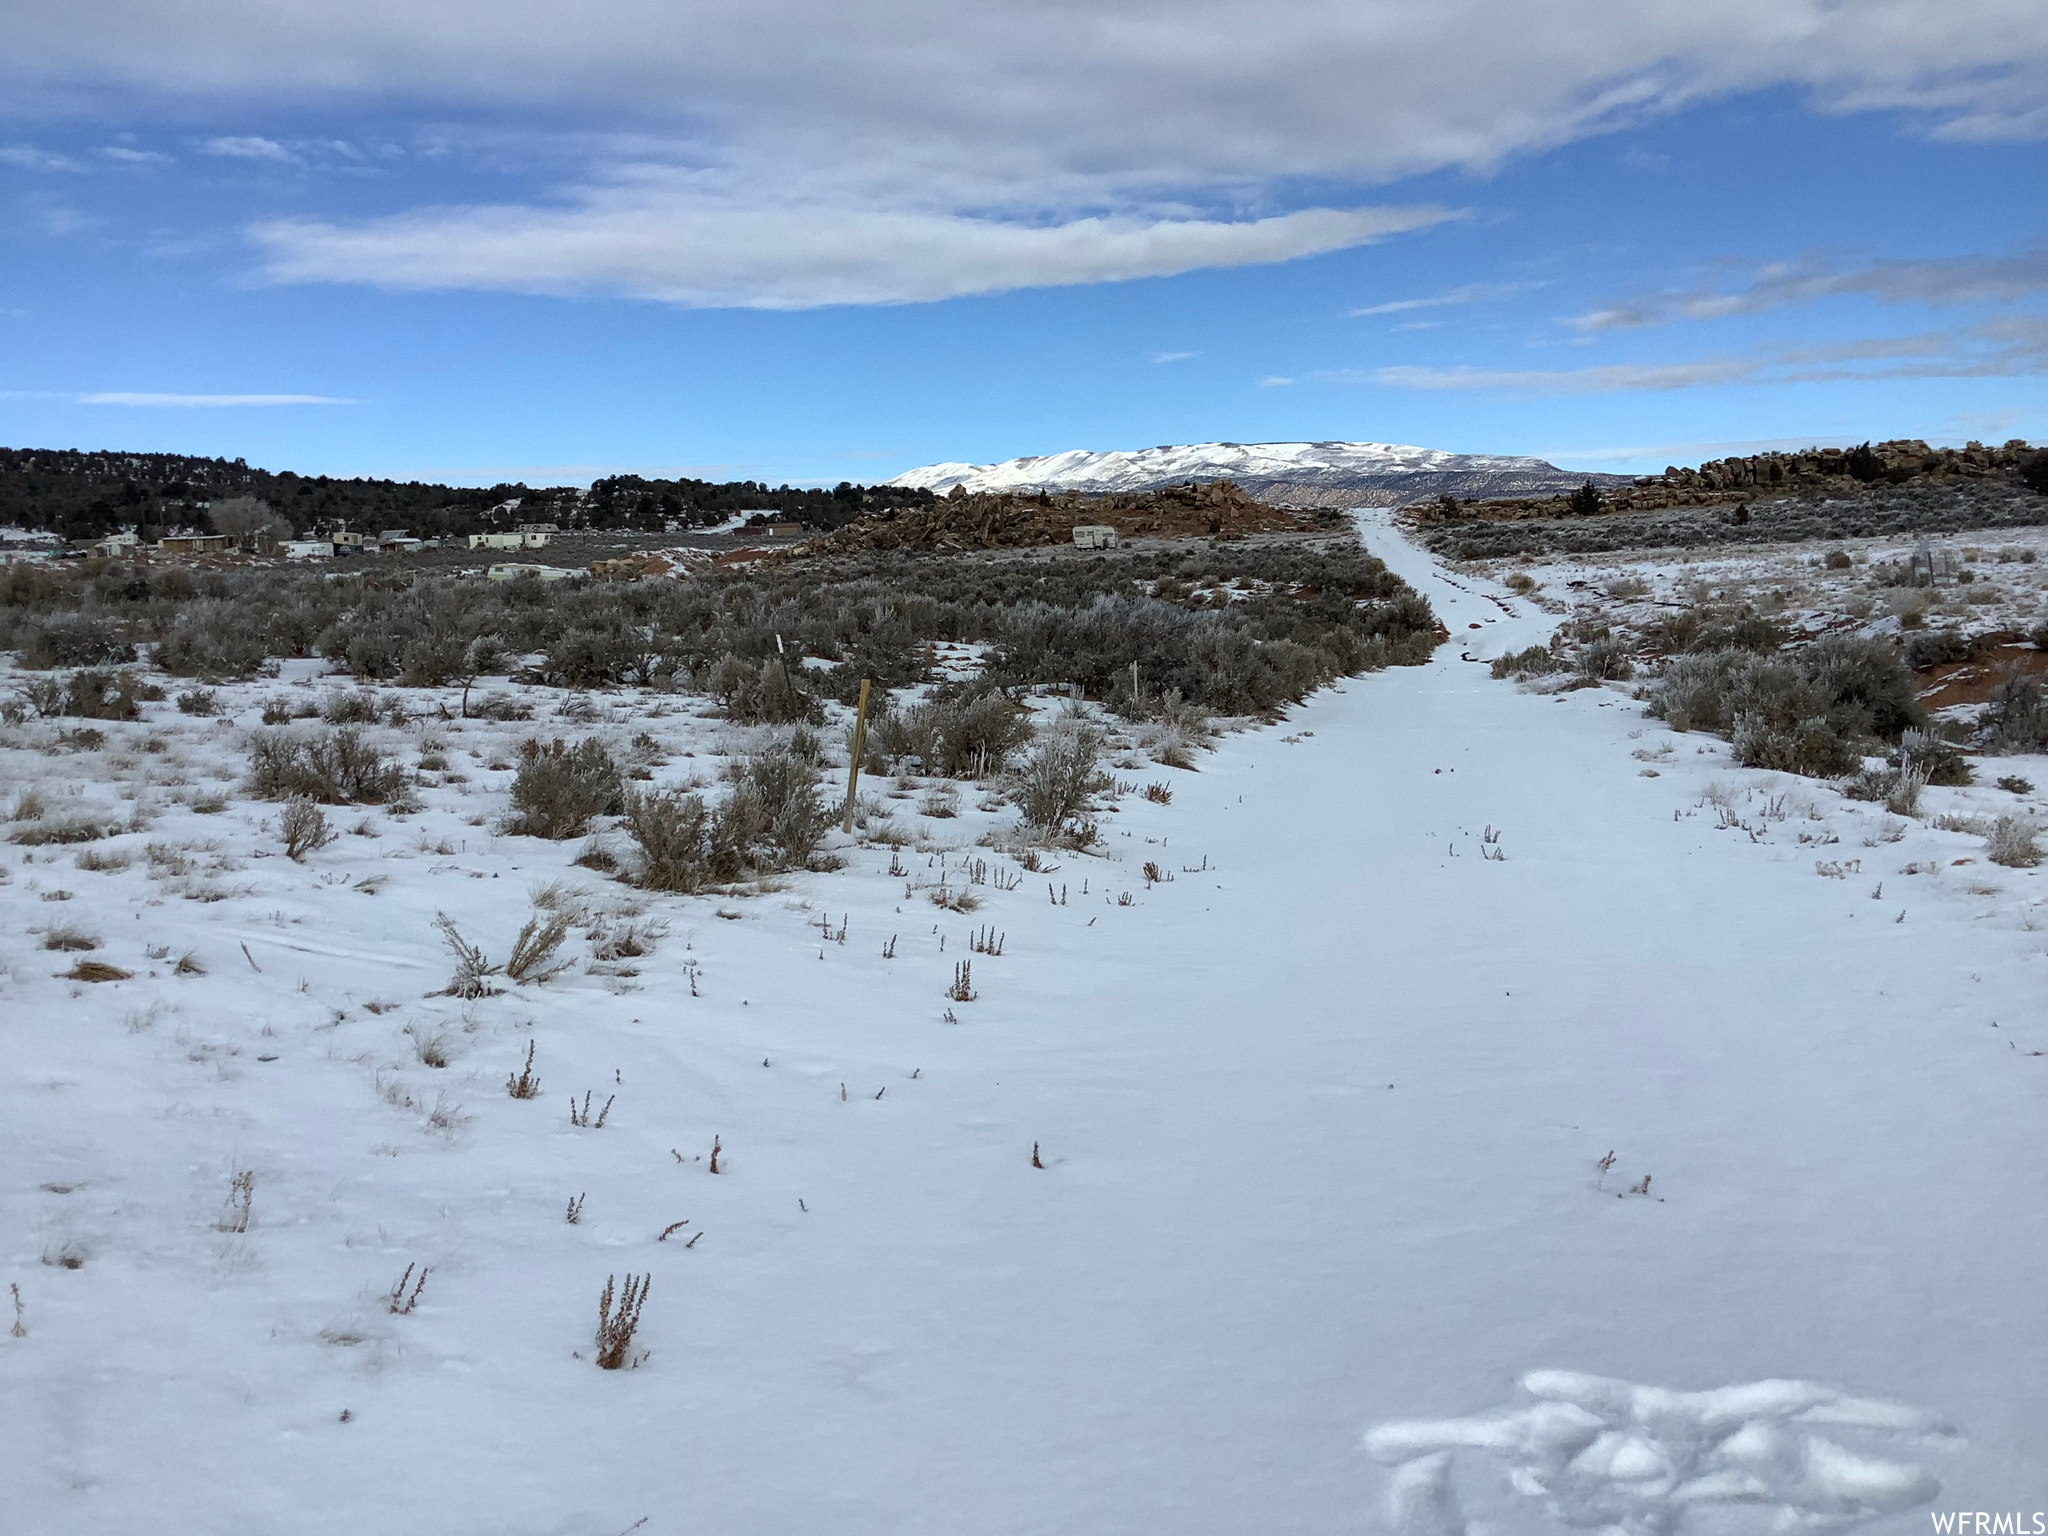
{"x":860,"y":745}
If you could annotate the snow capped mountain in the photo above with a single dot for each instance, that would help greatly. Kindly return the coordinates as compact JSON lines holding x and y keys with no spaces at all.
{"x":1322,"y":474}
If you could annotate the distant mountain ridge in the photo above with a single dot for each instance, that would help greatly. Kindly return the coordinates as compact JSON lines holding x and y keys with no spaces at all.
{"x":1295,"y":474}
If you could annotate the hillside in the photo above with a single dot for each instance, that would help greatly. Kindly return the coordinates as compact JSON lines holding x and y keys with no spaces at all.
{"x":89,"y":494}
{"x":1294,"y":474}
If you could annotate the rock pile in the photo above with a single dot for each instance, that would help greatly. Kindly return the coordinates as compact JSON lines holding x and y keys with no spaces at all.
{"x":1217,"y":509}
{"x":1816,"y":471}
{"x":1927,"y":505}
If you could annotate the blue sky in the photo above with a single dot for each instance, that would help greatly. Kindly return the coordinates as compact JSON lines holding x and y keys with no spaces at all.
{"x":445,"y":241}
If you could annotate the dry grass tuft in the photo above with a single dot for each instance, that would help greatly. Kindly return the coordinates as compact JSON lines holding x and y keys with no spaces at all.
{"x":432,"y":1049}
{"x":616,"y":1327}
{"x":239,"y":1208}
{"x":68,"y":939}
{"x":96,"y":970}
{"x":525,"y":1083}
{"x":38,"y":834}
{"x":473,"y":971}
{"x":405,"y":1294}
{"x":532,"y":960}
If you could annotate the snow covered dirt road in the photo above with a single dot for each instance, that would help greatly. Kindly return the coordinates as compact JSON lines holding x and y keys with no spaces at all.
{"x":1321,"y":1123}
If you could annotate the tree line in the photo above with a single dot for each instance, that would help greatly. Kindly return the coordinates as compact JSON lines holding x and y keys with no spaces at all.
{"x":87,"y":495}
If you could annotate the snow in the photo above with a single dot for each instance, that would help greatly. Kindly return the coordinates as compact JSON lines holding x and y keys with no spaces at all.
{"x":1082,"y":470}
{"x":1321,"y":1241}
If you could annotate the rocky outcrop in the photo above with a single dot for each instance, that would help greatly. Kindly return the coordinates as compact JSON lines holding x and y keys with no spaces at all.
{"x":962,"y":521}
{"x":1722,"y":482}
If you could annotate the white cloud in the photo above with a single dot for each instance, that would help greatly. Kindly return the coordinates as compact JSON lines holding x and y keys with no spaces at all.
{"x":1170,"y":357}
{"x":1205,"y":89}
{"x":28,"y":158}
{"x":683,"y":248}
{"x":2009,"y":347}
{"x":124,"y":397}
{"x":1939,"y":281}
{"x":1471,"y":293}
{"x":1047,"y":141}
{"x":1274,"y":381}
{"x":248,"y":147}
{"x":120,"y":154}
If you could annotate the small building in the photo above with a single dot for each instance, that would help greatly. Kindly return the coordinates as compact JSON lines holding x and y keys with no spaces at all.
{"x":195,"y":544}
{"x":508,"y":541}
{"x":307,"y":549}
{"x":514,"y":570}
{"x":116,"y":545}
{"x":783,"y":530}
{"x":396,"y":541}
{"x":1094,"y":536}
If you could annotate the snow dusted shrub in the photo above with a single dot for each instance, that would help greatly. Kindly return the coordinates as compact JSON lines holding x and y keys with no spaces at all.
{"x":1170,"y":747}
{"x":775,"y":808}
{"x":473,"y":971}
{"x":1603,"y":659}
{"x":333,"y":767}
{"x":90,"y":693}
{"x":1058,"y":778}
{"x":359,"y":706}
{"x":772,"y":819}
{"x":806,"y":746}
{"x":2012,"y":842}
{"x":592,"y":656}
{"x":211,"y":639}
{"x":559,"y":788}
{"x":766,"y":693}
{"x":302,"y":828}
{"x":71,"y":640}
{"x":954,"y":738}
{"x":1939,"y":761}
{"x":2016,"y":719}
{"x":1533,"y":662}
{"x":674,"y":830}
{"x":1810,"y":746}
{"x":1804,"y":711}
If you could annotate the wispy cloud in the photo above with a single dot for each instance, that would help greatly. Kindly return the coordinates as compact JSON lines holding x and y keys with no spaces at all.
{"x":1938,"y":281}
{"x":180,"y":402}
{"x":1274,"y":381}
{"x":121,"y":154}
{"x":248,"y":147}
{"x":2009,"y":347}
{"x":673,"y":244}
{"x":28,"y":157}
{"x":1170,"y":357}
{"x":1471,"y":293}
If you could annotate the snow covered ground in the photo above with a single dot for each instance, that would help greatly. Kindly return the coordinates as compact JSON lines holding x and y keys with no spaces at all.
{"x":1327,"y":1236}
